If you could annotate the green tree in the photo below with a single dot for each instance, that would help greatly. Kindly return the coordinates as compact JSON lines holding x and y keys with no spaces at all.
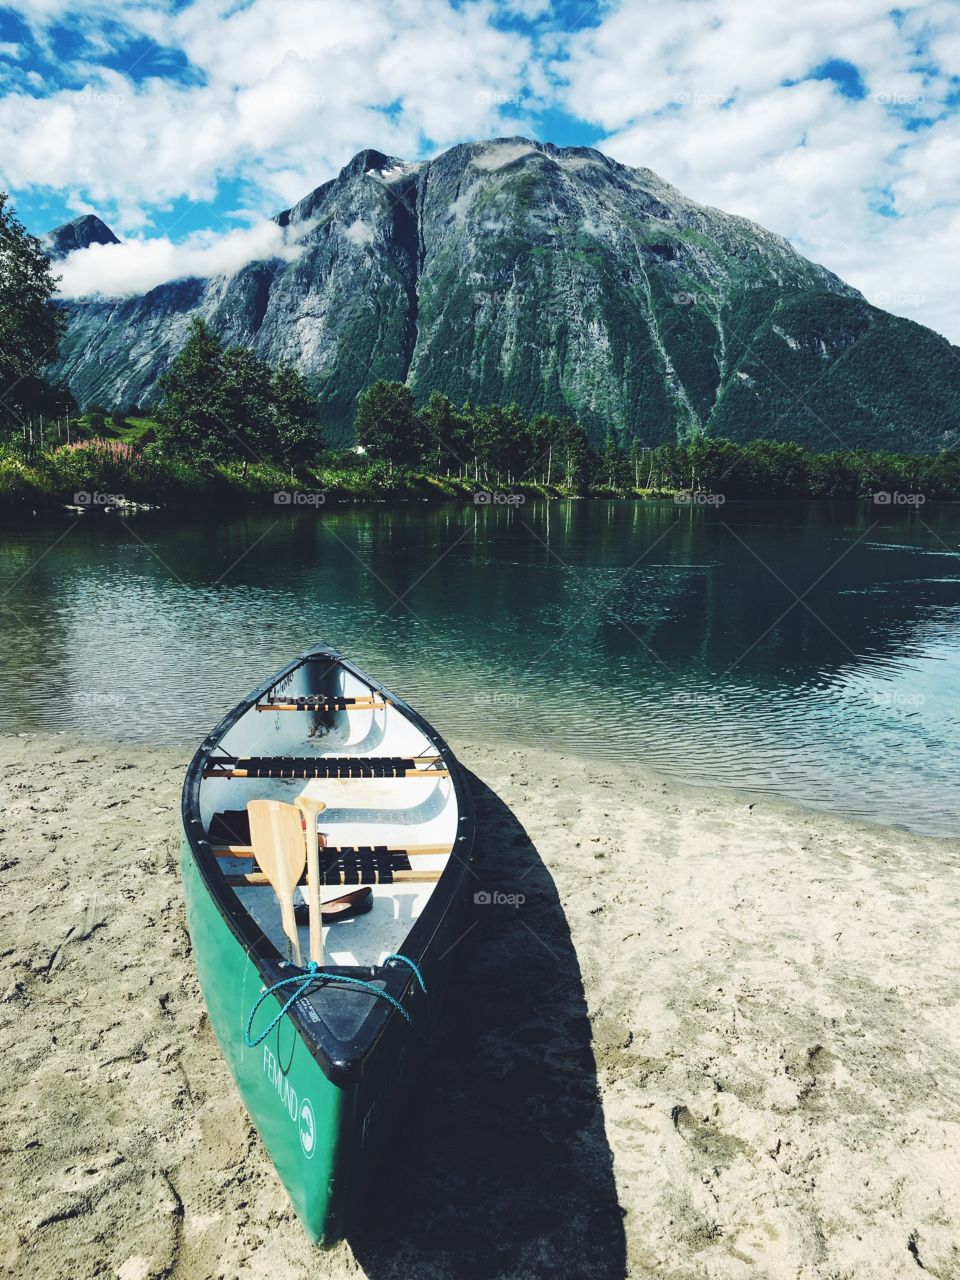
{"x":544,"y":437}
{"x":30,"y":326}
{"x":190,"y":417}
{"x":518,"y":446}
{"x":386,"y":424}
{"x":447,"y":436}
{"x":96,"y":417}
{"x":245,"y":406}
{"x":293,"y":424}
{"x":491,"y":441}
{"x":636,"y":456}
{"x":225,"y":404}
{"x":576,"y":456}
{"x":614,"y":464}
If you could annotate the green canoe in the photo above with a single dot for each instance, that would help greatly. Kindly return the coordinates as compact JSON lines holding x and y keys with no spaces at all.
{"x":324,"y":1081}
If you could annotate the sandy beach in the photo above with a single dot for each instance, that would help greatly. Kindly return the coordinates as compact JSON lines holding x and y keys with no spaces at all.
{"x":718,"y":1038}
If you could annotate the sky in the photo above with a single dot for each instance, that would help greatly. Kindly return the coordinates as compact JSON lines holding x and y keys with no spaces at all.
{"x":185,"y":124}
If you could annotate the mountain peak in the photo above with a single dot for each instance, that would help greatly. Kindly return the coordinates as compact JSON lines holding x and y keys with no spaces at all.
{"x":366,"y":160}
{"x":79,"y":233}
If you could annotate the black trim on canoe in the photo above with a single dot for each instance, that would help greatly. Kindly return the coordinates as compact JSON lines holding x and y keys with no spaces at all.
{"x":341,"y":1061}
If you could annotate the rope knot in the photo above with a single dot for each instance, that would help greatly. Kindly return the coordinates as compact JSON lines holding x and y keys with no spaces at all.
{"x":305,"y":979}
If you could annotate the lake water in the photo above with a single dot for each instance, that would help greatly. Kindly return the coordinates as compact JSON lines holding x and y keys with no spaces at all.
{"x":812,"y":650}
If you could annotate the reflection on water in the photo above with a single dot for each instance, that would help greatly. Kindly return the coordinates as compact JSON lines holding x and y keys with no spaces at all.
{"x":809,"y":649}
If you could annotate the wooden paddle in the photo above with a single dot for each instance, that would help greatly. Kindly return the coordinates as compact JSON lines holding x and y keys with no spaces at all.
{"x":281,"y":853}
{"x":310,"y":808}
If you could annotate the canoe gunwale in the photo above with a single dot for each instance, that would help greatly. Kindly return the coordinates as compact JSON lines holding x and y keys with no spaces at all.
{"x":341,"y":1063}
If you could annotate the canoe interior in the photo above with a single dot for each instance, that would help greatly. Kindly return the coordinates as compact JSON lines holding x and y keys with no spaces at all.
{"x":398,"y":813}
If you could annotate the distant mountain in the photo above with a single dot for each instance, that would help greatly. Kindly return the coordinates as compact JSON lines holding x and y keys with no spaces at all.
{"x":555,"y":277}
{"x":82,"y":232}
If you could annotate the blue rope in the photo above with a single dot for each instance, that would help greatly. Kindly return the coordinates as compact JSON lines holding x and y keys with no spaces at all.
{"x":416,"y":972}
{"x":302,"y":982}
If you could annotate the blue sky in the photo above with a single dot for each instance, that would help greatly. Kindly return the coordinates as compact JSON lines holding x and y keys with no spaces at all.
{"x":186,"y":123}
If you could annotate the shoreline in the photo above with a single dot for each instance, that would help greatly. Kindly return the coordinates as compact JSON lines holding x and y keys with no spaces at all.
{"x":696,"y":790}
{"x":15,"y":516}
{"x":719,"y":1023}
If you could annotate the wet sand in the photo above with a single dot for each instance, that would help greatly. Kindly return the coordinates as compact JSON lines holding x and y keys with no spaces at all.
{"x":719,"y":1038}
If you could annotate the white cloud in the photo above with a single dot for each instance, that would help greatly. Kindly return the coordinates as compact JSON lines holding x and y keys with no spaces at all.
{"x":359,"y":232}
{"x":133,"y":267}
{"x":290,"y":90}
{"x":716,"y":97}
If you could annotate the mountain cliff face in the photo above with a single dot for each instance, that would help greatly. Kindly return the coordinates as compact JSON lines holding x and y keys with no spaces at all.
{"x":555,"y":277}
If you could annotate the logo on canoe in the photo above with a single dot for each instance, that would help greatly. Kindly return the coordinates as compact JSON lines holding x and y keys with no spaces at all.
{"x":300,"y":1110}
{"x":308,"y":1128}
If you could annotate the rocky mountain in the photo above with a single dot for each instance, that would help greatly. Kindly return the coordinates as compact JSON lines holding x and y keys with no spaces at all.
{"x":555,"y":277}
{"x":82,"y":232}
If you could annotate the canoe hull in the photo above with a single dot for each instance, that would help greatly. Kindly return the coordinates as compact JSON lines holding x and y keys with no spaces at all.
{"x":302,"y":1117}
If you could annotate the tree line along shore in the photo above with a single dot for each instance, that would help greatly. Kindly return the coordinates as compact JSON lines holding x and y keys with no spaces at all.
{"x":231,"y":430}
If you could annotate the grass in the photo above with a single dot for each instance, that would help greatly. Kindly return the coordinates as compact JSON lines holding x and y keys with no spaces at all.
{"x":102,"y":473}
{"x":97,"y":472}
{"x":135,"y":428}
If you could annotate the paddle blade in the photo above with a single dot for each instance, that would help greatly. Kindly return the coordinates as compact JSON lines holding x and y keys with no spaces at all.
{"x":280,"y":850}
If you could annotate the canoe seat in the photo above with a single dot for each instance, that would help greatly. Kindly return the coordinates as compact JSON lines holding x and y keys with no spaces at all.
{"x":320,"y":704}
{"x":322,"y":767}
{"x":229,"y":837}
{"x":367,"y":864}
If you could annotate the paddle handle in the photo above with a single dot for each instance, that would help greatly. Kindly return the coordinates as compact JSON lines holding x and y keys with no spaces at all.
{"x":310,"y":809}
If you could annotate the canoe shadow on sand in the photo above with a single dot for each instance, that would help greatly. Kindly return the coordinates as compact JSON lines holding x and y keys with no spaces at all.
{"x":501,"y":1167}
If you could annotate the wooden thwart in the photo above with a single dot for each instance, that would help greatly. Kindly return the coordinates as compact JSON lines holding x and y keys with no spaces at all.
{"x":327,"y":705}
{"x":414,"y":850}
{"x":359,"y":777}
{"x":399,"y":877}
{"x":326,"y":768}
